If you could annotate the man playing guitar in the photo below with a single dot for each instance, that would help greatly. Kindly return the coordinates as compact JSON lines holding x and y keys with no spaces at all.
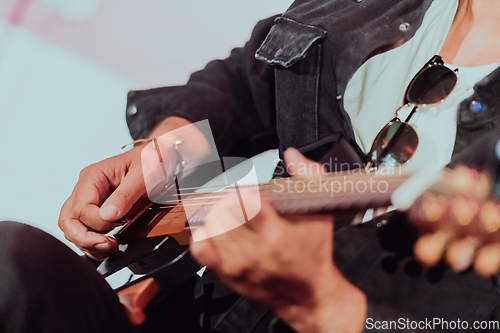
{"x":287,"y":263}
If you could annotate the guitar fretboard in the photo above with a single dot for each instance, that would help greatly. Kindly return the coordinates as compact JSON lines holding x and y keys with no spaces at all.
{"x":303,"y":195}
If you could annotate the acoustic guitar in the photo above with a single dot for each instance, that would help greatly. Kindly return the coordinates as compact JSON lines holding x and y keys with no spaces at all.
{"x":155,"y":243}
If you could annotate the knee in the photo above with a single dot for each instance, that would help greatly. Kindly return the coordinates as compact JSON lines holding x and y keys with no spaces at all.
{"x":9,"y":229}
{"x":16,"y":234}
{"x":18,"y":260}
{"x":11,"y":234}
{"x":22,"y":244}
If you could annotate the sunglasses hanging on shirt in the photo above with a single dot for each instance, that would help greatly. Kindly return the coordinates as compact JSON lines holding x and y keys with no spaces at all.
{"x":397,"y":142}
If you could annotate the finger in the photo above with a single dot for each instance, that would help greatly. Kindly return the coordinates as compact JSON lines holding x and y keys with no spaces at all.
{"x":251,"y":205}
{"x":266,"y":214}
{"x":77,"y":233}
{"x":227,"y":237}
{"x":89,"y":215}
{"x":460,"y":253}
{"x":237,"y":209}
{"x":88,"y":241}
{"x":131,"y":188}
{"x":299,"y":165}
{"x":487,"y":261}
{"x":225,"y":254}
{"x":101,"y":250}
{"x":91,"y":190}
{"x":226,"y":215}
{"x":429,"y":248}
{"x":203,"y":250}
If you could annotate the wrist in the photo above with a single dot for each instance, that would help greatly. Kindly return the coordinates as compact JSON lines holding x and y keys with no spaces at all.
{"x":167,"y":125}
{"x":177,"y":145}
{"x":335,"y":305}
{"x":194,"y":148}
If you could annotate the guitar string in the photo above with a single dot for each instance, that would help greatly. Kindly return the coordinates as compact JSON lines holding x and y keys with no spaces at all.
{"x":273,"y":185}
{"x":198,"y":221}
{"x":195,"y":221}
{"x":204,"y":199}
{"x":298,"y":196}
{"x":440,"y":187}
{"x":197,"y":218}
{"x":356,"y":173}
{"x":311,"y":191}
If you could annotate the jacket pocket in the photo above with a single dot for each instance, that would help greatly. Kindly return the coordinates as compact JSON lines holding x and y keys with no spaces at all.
{"x":288,"y":42}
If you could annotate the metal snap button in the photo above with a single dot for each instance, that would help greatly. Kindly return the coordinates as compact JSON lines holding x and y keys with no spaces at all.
{"x":132,"y":110}
{"x":475,"y":106}
{"x":404,"y":26}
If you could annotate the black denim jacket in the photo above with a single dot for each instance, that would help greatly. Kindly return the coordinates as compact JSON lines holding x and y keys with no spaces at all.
{"x":291,"y":76}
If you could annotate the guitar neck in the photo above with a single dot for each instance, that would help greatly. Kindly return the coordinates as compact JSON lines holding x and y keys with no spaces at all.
{"x":332,"y":192}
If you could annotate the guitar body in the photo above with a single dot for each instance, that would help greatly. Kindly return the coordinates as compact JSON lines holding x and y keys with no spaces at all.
{"x":169,"y":227}
{"x":155,"y":247}
{"x":156,"y":244}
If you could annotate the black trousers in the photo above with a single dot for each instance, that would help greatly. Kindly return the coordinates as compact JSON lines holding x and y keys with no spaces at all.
{"x":46,"y":287}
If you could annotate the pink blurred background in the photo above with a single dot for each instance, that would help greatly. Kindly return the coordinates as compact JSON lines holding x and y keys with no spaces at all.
{"x":65,"y":69}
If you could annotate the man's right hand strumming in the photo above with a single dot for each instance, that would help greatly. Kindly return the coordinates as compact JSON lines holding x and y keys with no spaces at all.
{"x":107,"y":190}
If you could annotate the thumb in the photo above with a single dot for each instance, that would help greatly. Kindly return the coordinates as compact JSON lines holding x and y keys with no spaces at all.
{"x":204,"y":250}
{"x":131,"y":188}
{"x":299,"y":165}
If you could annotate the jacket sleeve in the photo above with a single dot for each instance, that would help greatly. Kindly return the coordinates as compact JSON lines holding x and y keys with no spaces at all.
{"x":236,"y":95}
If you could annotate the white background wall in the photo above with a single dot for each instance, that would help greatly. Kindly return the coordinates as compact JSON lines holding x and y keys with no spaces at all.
{"x":65,"y":69}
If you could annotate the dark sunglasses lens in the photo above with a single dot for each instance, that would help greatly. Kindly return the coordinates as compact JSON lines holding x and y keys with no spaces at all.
{"x":431,"y":86}
{"x":394,"y":145}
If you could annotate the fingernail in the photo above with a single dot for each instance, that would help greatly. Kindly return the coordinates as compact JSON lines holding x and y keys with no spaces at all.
{"x":112,"y":240}
{"x":121,"y":221}
{"x":101,"y":246}
{"x":108,"y":212}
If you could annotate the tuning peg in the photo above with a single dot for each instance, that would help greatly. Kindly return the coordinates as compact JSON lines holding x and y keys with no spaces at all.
{"x":464,"y":210}
{"x":472,"y":182}
{"x":429,"y":248}
{"x":460,"y":253}
{"x":432,"y":208}
{"x":465,"y":179}
{"x":489,"y":216}
{"x":487,"y":261}
{"x":483,"y":185}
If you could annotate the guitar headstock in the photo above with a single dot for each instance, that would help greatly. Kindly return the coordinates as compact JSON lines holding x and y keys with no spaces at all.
{"x":460,"y":204}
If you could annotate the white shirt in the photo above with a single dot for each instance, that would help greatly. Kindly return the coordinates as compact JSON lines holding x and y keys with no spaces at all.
{"x":377,"y":89}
